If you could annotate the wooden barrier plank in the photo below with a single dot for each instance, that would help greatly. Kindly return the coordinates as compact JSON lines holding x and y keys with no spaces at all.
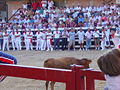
{"x":75,"y":79}
{"x":35,"y":73}
{"x":97,"y":75}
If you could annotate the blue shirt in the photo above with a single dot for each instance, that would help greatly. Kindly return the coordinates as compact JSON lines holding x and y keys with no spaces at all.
{"x":80,"y":20}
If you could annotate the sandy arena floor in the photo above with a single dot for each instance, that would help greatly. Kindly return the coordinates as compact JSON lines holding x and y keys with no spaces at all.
{"x":36,"y":58}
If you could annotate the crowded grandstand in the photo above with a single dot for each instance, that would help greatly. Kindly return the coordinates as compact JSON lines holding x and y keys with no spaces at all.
{"x":46,"y":27}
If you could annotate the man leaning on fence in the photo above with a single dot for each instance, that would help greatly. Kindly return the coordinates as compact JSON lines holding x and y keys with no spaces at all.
{"x":71,"y":39}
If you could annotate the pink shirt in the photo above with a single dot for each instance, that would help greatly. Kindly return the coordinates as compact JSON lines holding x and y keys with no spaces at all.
{"x":88,"y":35}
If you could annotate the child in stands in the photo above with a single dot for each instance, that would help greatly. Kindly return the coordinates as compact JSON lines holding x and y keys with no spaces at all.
{"x":109,"y":64}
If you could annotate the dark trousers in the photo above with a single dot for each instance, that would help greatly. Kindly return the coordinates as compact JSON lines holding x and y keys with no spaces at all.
{"x":64,"y":43}
{"x":1,"y":44}
{"x":56,"y":43}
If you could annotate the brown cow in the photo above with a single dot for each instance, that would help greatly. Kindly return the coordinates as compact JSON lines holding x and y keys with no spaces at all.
{"x":64,"y":63}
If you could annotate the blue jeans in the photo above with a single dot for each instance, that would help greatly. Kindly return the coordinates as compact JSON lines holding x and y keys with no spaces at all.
{"x":88,"y":43}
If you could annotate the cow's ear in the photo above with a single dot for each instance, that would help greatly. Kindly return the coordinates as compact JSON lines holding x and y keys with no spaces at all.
{"x":86,"y":60}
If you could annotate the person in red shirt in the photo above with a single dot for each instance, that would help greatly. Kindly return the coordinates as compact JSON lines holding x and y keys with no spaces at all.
{"x":34,"y":6}
{"x":40,"y":4}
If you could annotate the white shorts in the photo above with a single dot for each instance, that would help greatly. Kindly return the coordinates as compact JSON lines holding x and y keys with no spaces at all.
{"x":81,"y":41}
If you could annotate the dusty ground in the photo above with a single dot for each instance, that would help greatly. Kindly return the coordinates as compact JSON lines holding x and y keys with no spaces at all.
{"x":36,"y":58}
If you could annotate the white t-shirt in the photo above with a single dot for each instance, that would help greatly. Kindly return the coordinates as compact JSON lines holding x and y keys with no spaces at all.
{"x":17,"y":35}
{"x":12,"y":36}
{"x":56,"y":34}
{"x":5,"y":37}
{"x":96,"y":34}
{"x":43,"y":36}
{"x":50,"y":4}
{"x":44,"y":3}
{"x":29,"y":35}
{"x":25,"y":6}
{"x":81,"y":35}
{"x":38,"y":34}
{"x":112,"y":83}
{"x":25,"y":35}
{"x":49,"y":35}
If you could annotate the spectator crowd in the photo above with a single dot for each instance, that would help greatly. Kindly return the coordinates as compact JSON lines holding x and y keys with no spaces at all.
{"x":44,"y":24}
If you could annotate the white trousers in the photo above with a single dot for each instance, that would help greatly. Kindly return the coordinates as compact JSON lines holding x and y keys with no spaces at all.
{"x":38,"y":44}
{"x":29,"y":45}
{"x":49,"y":46}
{"x":25,"y":41}
{"x":5,"y":44}
{"x":103,"y":44}
{"x":43,"y":44}
{"x":18,"y":44}
{"x":13,"y":43}
{"x":116,"y":42}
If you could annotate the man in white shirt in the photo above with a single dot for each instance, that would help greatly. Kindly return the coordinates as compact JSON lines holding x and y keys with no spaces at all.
{"x":44,"y":3}
{"x":12,"y":35}
{"x":72,"y":35}
{"x":29,"y":40}
{"x":5,"y":40}
{"x":25,"y":38}
{"x":103,"y":39}
{"x":50,"y":4}
{"x":81,"y":36}
{"x":18,"y":39}
{"x":96,"y":35}
{"x":43,"y":40}
{"x":38,"y":42}
{"x":49,"y":40}
{"x":107,"y":38}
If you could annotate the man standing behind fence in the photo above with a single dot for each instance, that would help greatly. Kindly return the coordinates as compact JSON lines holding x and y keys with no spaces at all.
{"x":1,"y":39}
{"x":49,"y":40}
{"x":29,"y":40}
{"x":96,"y":35}
{"x":81,"y":36}
{"x":107,"y":38}
{"x":18,"y":39}
{"x":5,"y":40}
{"x":38,"y":41}
{"x":64,"y":39}
{"x":88,"y":36}
{"x":25,"y":38}
{"x":56,"y":35}
{"x":71,"y":39}
{"x":12,"y":35}
{"x":43,"y":40}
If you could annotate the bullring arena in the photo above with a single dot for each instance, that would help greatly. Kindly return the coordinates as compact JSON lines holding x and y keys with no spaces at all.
{"x":37,"y":58}
{"x":18,"y":17}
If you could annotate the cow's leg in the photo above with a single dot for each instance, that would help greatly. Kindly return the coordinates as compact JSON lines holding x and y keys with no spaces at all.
{"x":52,"y":85}
{"x":47,"y":84}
